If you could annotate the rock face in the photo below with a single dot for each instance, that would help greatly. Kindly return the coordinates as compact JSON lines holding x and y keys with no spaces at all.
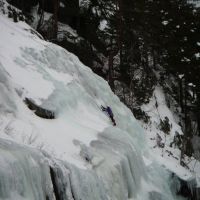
{"x":39,"y":111}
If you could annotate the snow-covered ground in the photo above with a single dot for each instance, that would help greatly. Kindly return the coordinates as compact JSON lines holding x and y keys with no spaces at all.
{"x":194,"y":2}
{"x":103,"y":162}
{"x":169,"y":157}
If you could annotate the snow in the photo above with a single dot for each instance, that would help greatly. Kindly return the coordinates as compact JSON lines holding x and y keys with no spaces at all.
{"x":65,"y":32}
{"x":103,"y":25}
{"x":197,"y":55}
{"x":84,"y":3}
{"x":191,"y":85}
{"x":168,"y":157}
{"x":26,"y":68}
{"x":91,"y":158}
{"x":165,"y":23}
{"x":181,"y":76}
{"x":196,"y":3}
{"x":62,"y":5}
{"x":161,"y":111}
{"x":185,"y":59}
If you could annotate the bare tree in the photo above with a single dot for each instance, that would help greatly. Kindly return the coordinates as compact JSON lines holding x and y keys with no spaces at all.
{"x":41,"y":13}
{"x":55,"y":16}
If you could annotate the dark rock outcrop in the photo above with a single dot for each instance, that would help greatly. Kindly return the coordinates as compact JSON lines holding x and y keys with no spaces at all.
{"x":39,"y":111}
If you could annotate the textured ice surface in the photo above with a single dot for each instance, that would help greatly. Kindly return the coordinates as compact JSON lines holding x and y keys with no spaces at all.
{"x":24,"y":174}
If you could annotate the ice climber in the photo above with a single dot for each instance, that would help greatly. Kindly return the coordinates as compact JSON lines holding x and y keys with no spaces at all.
{"x":110,"y":114}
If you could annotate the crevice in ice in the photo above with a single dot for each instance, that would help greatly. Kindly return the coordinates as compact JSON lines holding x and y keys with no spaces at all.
{"x":39,"y":111}
{"x":61,"y":181}
{"x":55,"y":186}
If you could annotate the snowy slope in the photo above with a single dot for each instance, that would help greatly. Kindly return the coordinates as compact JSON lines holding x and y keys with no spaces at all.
{"x":102,"y":162}
{"x":55,"y":80}
{"x":169,"y":156}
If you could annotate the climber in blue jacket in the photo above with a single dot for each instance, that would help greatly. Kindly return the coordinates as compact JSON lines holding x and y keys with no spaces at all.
{"x":108,"y":110}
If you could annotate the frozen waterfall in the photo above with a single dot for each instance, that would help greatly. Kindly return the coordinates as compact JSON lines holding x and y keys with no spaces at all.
{"x":78,"y":155}
{"x":115,"y":172}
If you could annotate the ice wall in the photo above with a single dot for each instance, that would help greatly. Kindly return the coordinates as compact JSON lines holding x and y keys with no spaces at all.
{"x":24,"y":174}
{"x":115,"y":171}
